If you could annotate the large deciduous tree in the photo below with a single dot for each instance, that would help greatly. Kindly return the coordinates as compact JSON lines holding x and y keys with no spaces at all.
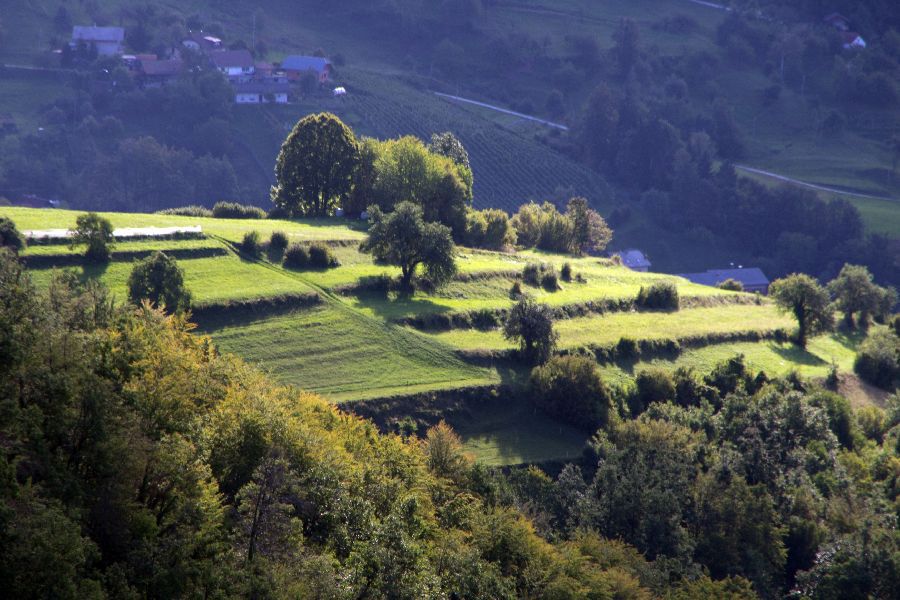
{"x":159,"y":279}
{"x":96,"y":233}
{"x":590,"y":233}
{"x":531,"y":325}
{"x":808,"y":301}
{"x":315,"y":168}
{"x":854,"y":291}
{"x":10,"y":236}
{"x":403,"y":238}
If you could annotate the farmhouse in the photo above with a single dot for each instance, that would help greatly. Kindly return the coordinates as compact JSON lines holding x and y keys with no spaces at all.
{"x":156,"y":73}
{"x":753,"y":279}
{"x":295,"y":66}
{"x":633,"y":259}
{"x":235,"y":64}
{"x":109,"y":41}
{"x":261,"y":92}
{"x":201,"y":41}
{"x":851,"y":39}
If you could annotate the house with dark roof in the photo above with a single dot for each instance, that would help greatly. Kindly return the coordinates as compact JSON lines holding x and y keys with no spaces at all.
{"x":261,"y":92}
{"x":295,"y":66}
{"x":234,"y":64}
{"x":156,"y":73}
{"x":109,"y":41}
{"x":753,"y":279}
{"x":633,"y":259}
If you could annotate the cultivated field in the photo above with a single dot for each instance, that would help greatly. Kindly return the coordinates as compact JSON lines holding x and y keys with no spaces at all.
{"x":355,"y":345}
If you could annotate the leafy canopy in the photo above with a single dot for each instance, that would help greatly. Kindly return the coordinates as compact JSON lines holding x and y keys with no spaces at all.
{"x":159,"y":279}
{"x":531,"y":325}
{"x":96,"y":233}
{"x":808,"y":301}
{"x":314,"y":170}
{"x":404,"y":239}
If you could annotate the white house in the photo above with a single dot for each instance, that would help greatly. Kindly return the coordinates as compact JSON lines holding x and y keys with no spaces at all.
{"x":633,"y":259}
{"x":851,"y":39}
{"x":109,"y":41}
{"x":261,"y":92}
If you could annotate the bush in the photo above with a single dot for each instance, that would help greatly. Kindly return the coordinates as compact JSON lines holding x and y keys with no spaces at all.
{"x":566,"y":272}
{"x":662,"y":295}
{"x":159,"y":279}
{"x":531,"y":325}
{"x":534,"y":274}
{"x":296,"y":257}
{"x":187,"y":211}
{"x":10,"y":236}
{"x":278,"y":243}
{"x":250,"y":244}
{"x":628,"y":349}
{"x":321,"y":257}
{"x":653,"y":385}
{"x":549,"y":281}
{"x":878,"y":360}
{"x":515,"y":292}
{"x":97,"y":233}
{"x":233,"y":210}
{"x":485,"y":319}
{"x":570,"y":388}
{"x":731,"y":285}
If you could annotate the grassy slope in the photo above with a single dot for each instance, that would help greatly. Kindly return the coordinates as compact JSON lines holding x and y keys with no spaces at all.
{"x":609,"y":328}
{"x":346,"y":349}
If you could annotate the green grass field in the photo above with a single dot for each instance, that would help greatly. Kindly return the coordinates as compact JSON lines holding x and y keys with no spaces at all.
{"x":348,"y":349}
{"x":345,"y":356}
{"x":609,"y":328}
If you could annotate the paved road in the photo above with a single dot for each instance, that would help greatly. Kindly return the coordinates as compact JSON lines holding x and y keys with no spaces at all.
{"x":821,"y":188}
{"x":503,"y":110}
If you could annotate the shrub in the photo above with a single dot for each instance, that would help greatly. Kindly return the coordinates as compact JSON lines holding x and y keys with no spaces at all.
{"x":10,"y":236}
{"x":97,"y":233}
{"x":321,"y":257}
{"x":159,"y":279}
{"x":250,"y":244}
{"x":570,"y":388}
{"x":878,"y":360}
{"x":233,"y":210}
{"x":499,"y":233}
{"x":534,"y":274}
{"x":731,"y":284}
{"x":660,"y":296}
{"x":187,"y":211}
{"x":628,"y":349}
{"x":278,"y":243}
{"x":549,"y":281}
{"x":652,"y":385}
{"x":565,"y":272}
{"x":296,"y":257}
{"x":515,"y":292}
{"x":485,"y":319}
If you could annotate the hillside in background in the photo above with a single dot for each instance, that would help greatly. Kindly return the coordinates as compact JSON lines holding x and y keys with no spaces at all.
{"x":692,"y":66}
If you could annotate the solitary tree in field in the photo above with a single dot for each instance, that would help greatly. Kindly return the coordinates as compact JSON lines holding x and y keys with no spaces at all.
{"x":96,"y":233}
{"x":855,"y":291}
{"x":10,"y":236}
{"x":531,"y":325}
{"x":404,"y":239}
{"x":808,"y":301}
{"x":159,"y":279}
{"x":314,"y":170}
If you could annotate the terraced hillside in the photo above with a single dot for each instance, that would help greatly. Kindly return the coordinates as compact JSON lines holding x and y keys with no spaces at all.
{"x":337,"y":332}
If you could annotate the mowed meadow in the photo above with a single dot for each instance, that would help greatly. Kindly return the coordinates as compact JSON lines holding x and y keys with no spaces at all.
{"x":336,"y":332}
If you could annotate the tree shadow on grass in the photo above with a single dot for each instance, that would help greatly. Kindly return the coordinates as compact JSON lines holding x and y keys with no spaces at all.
{"x":393,"y":305}
{"x":794,"y":354}
{"x":92,"y":271}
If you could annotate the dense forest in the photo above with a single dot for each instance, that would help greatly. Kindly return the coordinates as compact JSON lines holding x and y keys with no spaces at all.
{"x":137,"y":461}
